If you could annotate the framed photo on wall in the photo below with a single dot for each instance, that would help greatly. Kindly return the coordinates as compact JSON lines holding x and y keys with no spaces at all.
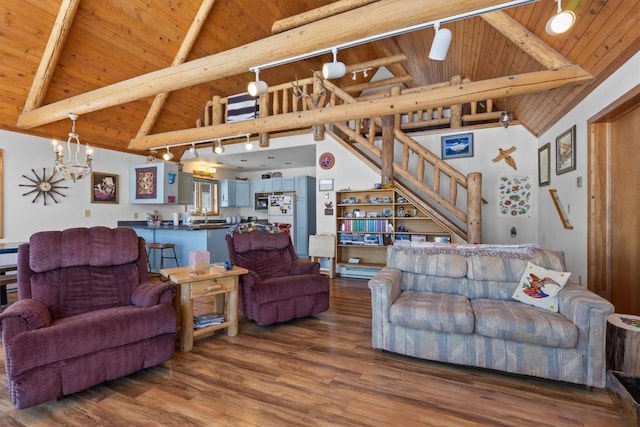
{"x":104,"y":188}
{"x":457,"y":146}
{"x":544,"y":165}
{"x":566,"y":151}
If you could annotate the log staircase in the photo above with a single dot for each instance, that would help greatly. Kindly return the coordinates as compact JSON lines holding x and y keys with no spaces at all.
{"x":437,"y":188}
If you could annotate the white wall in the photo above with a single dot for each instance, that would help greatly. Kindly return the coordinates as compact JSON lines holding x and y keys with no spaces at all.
{"x":22,"y":217}
{"x":574,"y":200}
{"x":348,"y":172}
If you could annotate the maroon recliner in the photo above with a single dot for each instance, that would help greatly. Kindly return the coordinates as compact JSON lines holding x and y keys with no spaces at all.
{"x":85,"y":314}
{"x":279,"y":287}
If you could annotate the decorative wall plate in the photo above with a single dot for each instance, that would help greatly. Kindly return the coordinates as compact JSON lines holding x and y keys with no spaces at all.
{"x":326,"y":160}
{"x":45,"y":186}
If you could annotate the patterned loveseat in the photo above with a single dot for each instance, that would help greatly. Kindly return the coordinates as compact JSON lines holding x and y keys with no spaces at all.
{"x":454,"y":304}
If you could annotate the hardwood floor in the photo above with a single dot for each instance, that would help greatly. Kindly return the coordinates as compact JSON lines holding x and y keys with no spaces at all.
{"x":318,"y":371}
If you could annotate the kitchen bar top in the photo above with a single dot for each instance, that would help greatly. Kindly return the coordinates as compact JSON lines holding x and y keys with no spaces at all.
{"x":168,"y":225}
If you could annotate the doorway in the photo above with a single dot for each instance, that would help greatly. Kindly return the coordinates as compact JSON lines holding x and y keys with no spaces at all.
{"x":614,"y":203}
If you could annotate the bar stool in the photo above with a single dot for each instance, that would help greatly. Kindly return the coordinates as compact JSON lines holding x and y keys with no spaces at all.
{"x":162,"y":247}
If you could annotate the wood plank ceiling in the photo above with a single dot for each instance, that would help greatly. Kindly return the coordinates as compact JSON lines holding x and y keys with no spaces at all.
{"x":113,"y":41}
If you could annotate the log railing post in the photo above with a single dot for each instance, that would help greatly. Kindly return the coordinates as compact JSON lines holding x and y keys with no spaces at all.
{"x":474,"y":208}
{"x":388,"y":124}
{"x":456,"y":109}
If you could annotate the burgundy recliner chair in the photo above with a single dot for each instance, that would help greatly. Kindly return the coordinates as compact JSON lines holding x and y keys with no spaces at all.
{"x":85,"y":314}
{"x":279,"y":287}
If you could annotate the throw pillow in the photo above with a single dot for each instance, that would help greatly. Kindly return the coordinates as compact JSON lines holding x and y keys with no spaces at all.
{"x":540,"y":287}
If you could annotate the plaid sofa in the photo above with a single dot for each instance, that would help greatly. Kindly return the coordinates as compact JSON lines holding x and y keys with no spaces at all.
{"x":456,"y":307}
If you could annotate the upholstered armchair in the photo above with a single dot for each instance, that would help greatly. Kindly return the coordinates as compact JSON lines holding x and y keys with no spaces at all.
{"x":85,"y":314}
{"x":279,"y":287}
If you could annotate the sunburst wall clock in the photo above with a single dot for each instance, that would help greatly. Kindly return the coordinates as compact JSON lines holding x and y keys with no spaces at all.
{"x":44,"y":186}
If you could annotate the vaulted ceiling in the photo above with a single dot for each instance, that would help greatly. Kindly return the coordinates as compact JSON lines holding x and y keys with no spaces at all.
{"x":103,"y":42}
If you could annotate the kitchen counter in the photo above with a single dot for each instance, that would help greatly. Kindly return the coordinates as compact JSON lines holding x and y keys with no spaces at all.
{"x":187,"y":238}
{"x":168,"y":225}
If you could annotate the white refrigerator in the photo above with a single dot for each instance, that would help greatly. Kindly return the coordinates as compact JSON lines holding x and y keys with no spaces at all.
{"x":282,"y":210}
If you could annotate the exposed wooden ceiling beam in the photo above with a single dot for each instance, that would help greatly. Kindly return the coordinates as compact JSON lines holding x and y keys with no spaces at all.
{"x":466,"y":92}
{"x":526,"y":40}
{"x":317,"y":14}
{"x":377,"y":63}
{"x":378,"y":83}
{"x":380,"y":17}
{"x":51,"y":54}
{"x":181,"y":56}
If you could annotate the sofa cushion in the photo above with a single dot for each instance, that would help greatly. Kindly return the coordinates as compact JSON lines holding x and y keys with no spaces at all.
{"x":539,"y":287}
{"x":433,"y":311}
{"x":496,"y":277}
{"x":513,"y":321}
{"x":88,"y":333}
{"x":418,"y":260}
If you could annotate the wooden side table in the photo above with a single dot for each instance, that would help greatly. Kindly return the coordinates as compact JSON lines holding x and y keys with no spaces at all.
{"x":217,"y":281}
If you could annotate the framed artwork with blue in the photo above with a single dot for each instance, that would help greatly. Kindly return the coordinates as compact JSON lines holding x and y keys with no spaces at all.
{"x":457,"y":146}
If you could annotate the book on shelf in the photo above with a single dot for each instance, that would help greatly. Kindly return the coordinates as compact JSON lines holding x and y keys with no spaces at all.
{"x":202,"y":320}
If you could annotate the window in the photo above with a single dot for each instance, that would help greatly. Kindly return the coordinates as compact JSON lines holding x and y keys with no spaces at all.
{"x":206,"y":195}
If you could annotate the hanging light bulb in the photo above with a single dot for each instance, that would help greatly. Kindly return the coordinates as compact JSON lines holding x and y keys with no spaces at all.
{"x":441,"y":42}
{"x":72,"y":170}
{"x":218,"y":148}
{"x":248,"y":146}
{"x":258,"y":87}
{"x":561,"y":21}
{"x":168,"y":155}
{"x":193,"y":151}
{"x":505,"y":117}
{"x":335,"y":69}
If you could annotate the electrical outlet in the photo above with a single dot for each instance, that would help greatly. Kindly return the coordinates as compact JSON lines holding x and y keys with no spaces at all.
{"x":87,"y":213}
{"x":135,"y":215}
{"x":579,"y":182}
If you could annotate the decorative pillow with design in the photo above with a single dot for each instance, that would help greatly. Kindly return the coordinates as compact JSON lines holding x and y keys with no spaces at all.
{"x":540,"y":287}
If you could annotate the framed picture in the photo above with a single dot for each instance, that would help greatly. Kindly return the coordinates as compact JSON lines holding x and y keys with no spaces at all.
{"x":566,"y":151}
{"x":544,"y":165}
{"x":457,"y":146}
{"x":104,"y":188}
{"x":325,"y":184}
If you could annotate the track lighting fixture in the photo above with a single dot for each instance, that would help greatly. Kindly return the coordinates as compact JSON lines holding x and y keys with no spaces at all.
{"x":193,"y":151}
{"x":258,"y":87}
{"x":248,"y":146}
{"x":441,"y":42}
{"x":561,"y":21}
{"x":168,"y":155}
{"x":335,"y":69}
{"x":218,"y":148}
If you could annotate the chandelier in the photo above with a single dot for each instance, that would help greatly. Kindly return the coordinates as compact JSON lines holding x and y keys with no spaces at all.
{"x":70,"y":169}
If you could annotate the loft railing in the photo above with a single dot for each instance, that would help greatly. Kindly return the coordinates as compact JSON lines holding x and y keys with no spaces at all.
{"x":424,"y":172}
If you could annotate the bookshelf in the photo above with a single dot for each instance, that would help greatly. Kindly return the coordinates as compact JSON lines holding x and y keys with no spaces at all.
{"x":368,"y":221}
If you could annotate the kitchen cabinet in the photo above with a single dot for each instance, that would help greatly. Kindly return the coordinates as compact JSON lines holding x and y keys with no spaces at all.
{"x":185,"y":188}
{"x":154,"y":183}
{"x":235,"y":193}
{"x":305,"y":217}
{"x":283,"y":183}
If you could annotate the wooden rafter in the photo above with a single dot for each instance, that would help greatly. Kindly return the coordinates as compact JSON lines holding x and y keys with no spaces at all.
{"x":382,"y":16}
{"x":317,"y":14}
{"x":186,"y":46}
{"x":51,"y":54}
{"x":526,"y":40}
{"x":465,"y":92}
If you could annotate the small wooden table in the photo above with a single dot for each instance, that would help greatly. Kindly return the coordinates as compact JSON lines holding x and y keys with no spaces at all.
{"x":217,"y":281}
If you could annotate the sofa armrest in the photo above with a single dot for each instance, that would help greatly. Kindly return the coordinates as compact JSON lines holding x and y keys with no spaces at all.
{"x":301,"y":266}
{"x":23,"y":315}
{"x":588,"y":311}
{"x":149,"y":294}
{"x":385,"y":289}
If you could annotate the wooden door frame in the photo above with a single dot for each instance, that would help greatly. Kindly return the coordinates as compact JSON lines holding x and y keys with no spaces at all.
{"x":599,"y":191}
